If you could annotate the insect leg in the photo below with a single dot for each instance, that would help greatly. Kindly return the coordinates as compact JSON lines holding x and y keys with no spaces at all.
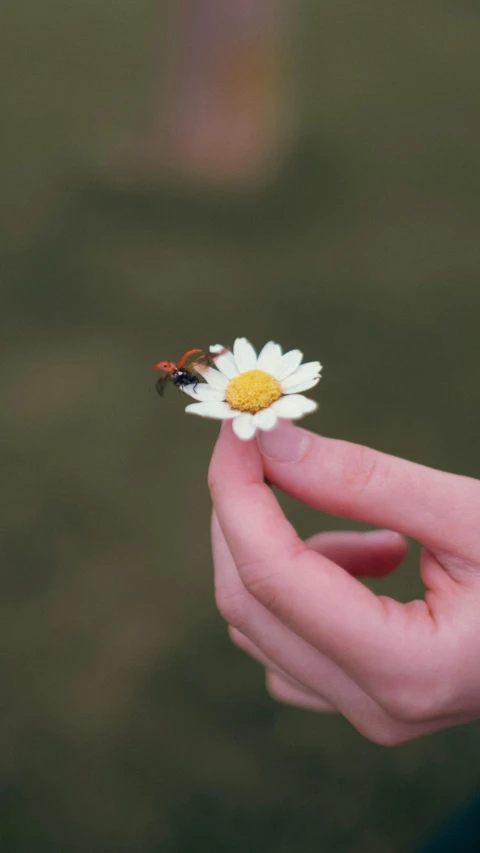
{"x":206,"y":360}
{"x":160,"y":384}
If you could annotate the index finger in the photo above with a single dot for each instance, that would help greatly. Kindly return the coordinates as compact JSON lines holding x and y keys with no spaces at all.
{"x":320,"y":601}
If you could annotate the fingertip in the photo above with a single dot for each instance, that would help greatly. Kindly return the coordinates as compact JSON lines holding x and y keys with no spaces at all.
{"x":386,"y":537}
{"x":226,"y":426}
{"x":219,"y":450}
{"x":373,"y":553}
{"x":388,"y":542}
{"x":286,"y":443}
{"x":388,"y":550}
{"x":234,"y":459}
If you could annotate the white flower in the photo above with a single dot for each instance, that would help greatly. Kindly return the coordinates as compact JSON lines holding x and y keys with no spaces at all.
{"x":254,"y":391}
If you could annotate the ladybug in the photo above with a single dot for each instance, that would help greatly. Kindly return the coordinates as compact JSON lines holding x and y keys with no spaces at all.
{"x":181,"y":374}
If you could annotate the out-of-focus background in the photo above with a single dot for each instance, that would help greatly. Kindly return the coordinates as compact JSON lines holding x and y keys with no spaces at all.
{"x":128,"y":722}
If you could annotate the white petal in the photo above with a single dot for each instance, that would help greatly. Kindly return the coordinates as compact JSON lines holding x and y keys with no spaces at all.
{"x":296,"y":383}
{"x":218,"y":411}
{"x":293,"y":406}
{"x":266,"y":419}
{"x":245,"y":355}
{"x":269,"y":358}
{"x":217,"y":348}
{"x":214,"y":378}
{"x":204,"y":393}
{"x":226,"y":365}
{"x":310,"y":367}
{"x":244,"y":426}
{"x":289,"y":363}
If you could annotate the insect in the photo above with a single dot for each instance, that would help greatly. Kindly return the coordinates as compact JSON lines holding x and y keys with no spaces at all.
{"x":181,"y":373}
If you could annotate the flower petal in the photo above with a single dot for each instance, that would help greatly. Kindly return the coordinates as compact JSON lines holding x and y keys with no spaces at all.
{"x":244,"y":426}
{"x":216,"y":348}
{"x":266,"y":419}
{"x":204,"y":393}
{"x":214,"y":378}
{"x":289,"y":363}
{"x":217,"y":411}
{"x":245,"y":355}
{"x":310,"y":367}
{"x":269,"y":358}
{"x":293,"y":406}
{"x":295,"y":383}
{"x":226,"y":364}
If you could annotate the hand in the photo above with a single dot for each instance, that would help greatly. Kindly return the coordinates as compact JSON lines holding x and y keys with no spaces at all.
{"x":396,"y":671}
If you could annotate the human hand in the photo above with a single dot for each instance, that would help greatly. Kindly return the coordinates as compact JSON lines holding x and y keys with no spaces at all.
{"x":396,"y":671}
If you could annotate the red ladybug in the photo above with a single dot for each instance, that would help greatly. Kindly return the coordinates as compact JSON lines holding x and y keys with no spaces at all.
{"x":181,"y":374}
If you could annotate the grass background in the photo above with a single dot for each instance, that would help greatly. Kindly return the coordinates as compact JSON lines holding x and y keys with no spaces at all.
{"x":128,"y":721}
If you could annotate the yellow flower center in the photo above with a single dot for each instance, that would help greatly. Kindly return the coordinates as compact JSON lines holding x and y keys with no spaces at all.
{"x":253,"y":391}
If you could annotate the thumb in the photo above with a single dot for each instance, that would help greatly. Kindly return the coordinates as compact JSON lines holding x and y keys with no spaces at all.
{"x":349,"y":480}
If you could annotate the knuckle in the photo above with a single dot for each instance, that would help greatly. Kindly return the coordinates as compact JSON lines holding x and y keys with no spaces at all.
{"x":269,"y":581}
{"x":261,"y":582}
{"x":413,"y":701}
{"x":363,"y":468}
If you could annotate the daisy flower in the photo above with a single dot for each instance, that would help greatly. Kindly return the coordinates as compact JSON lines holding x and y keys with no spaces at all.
{"x":254,"y":391}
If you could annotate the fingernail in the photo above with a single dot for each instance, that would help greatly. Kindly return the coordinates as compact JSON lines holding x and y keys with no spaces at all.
{"x":285,"y":443}
{"x":385,"y":537}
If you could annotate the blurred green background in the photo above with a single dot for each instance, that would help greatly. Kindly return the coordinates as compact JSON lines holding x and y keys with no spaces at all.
{"x":128,"y":721}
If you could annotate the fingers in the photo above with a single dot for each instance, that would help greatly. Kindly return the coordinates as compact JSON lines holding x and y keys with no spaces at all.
{"x":351,"y":481}
{"x":321,"y":602}
{"x":279,"y":676}
{"x":263,"y":636}
{"x":301,"y":671}
{"x":372,"y":554}
{"x":284,"y":691}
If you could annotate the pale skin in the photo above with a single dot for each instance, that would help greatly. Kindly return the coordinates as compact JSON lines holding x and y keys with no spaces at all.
{"x":395,"y":671}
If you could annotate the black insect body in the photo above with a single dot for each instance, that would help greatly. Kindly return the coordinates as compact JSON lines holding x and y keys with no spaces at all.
{"x":181,"y":378}
{"x":181,"y":374}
